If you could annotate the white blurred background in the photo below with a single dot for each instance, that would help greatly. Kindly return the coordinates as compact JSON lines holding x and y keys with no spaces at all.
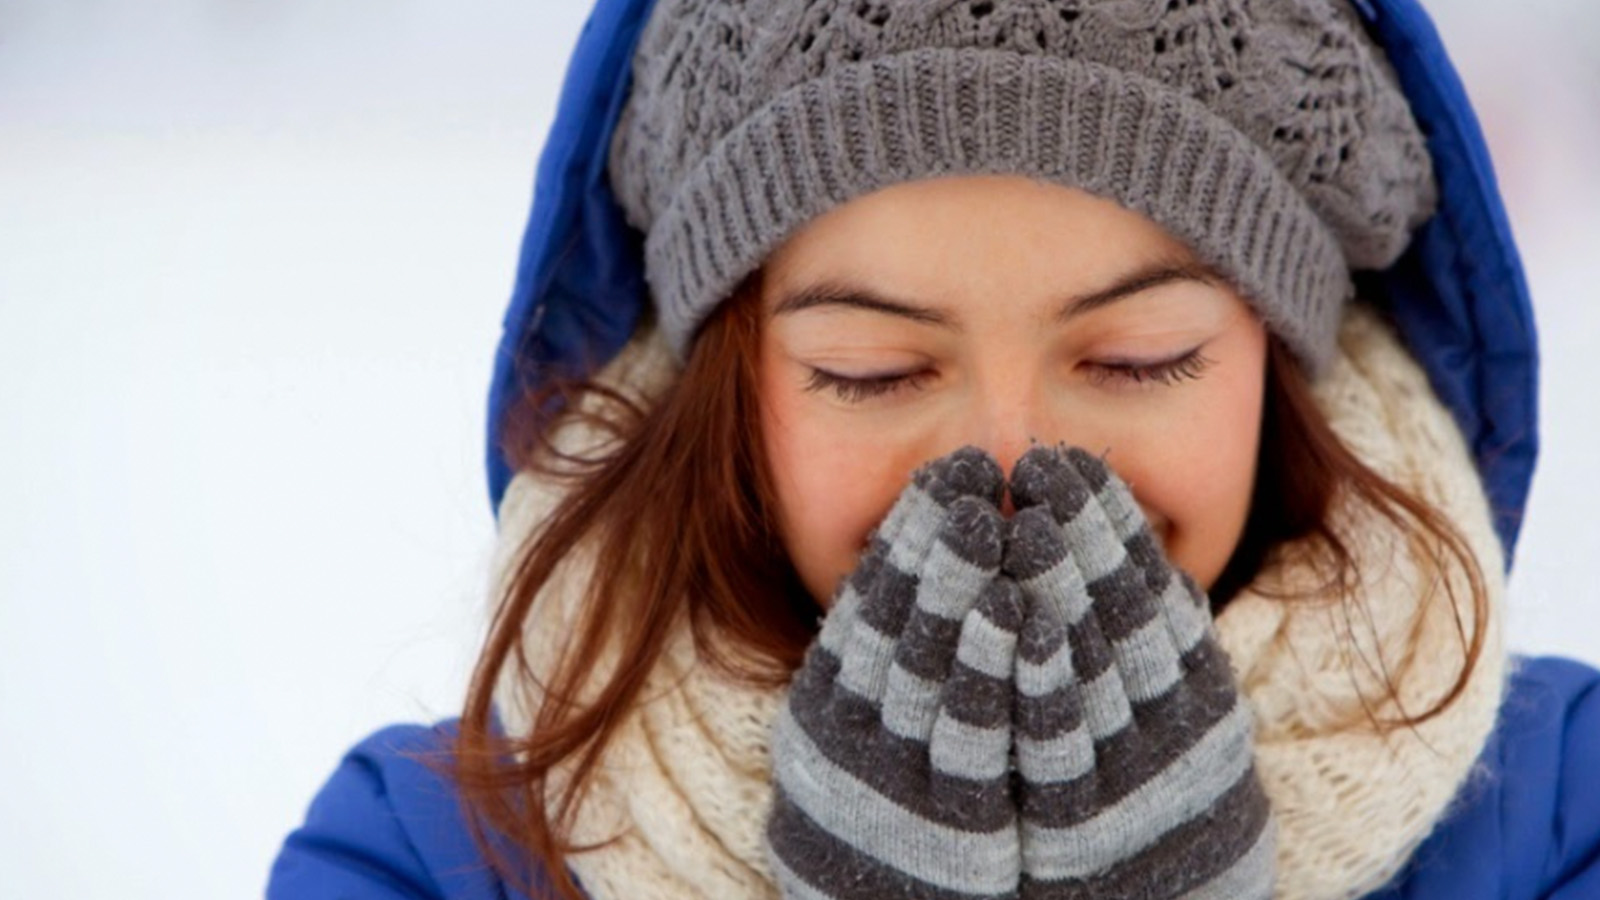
{"x":253,"y":258}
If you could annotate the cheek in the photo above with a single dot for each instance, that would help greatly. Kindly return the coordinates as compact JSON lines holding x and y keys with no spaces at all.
{"x":1195,"y":481}
{"x":1198,"y":503}
{"x":834,"y":486}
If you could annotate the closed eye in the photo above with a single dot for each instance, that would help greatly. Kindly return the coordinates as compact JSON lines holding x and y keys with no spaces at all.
{"x":1188,"y":367}
{"x":857,"y":390}
{"x":853,"y":389}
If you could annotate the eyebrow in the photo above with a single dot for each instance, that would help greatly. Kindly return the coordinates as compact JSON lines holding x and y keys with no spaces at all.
{"x":837,"y":294}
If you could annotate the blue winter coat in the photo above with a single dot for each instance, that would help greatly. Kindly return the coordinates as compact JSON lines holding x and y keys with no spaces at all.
{"x":385,"y":827}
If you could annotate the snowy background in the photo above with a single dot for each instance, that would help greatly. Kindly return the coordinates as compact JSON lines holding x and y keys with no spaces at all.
{"x":252,"y":262}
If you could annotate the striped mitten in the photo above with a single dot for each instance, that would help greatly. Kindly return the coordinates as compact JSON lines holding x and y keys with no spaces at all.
{"x":892,"y":752}
{"x":1134,"y":750}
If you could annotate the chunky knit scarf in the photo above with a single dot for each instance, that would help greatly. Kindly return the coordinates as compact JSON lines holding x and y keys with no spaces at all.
{"x":685,"y":782}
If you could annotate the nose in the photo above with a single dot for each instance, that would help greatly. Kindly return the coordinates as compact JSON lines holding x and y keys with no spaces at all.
{"x":1007,"y":508}
{"x":1010,"y":421}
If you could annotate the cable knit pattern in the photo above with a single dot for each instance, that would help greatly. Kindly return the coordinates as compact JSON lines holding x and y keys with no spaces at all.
{"x":686,"y":783}
{"x":1343,"y":797}
{"x":1269,"y":135}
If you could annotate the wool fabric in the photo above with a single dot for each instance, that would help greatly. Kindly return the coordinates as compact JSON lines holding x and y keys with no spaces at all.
{"x":1056,"y":666}
{"x":1270,"y":136}
{"x":892,"y":753}
{"x":685,"y":785}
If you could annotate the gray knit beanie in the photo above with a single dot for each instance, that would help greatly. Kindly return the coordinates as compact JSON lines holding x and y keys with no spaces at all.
{"x":1268,"y":135}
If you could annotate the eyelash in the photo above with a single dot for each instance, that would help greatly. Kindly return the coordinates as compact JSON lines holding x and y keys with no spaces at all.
{"x":1188,"y":367}
{"x":856,"y":390}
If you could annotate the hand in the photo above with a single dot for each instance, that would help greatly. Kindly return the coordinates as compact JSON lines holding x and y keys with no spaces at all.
{"x":892,"y":752}
{"x":1128,"y":751}
{"x":1133,"y":748}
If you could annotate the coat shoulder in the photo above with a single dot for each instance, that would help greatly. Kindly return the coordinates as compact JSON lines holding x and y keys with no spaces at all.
{"x":1528,"y":824}
{"x":387,"y":825}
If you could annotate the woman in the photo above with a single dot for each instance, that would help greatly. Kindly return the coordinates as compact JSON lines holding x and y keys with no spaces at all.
{"x":1015,"y":342}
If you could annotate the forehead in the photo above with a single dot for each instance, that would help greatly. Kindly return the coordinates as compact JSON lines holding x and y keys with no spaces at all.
{"x":957,"y":241}
{"x":962,"y":232}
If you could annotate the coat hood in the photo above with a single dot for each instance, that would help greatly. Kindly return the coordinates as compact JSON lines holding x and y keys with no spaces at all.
{"x":1458,"y":295}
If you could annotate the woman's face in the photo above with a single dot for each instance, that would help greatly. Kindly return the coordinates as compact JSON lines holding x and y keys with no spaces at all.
{"x":1000,"y":311}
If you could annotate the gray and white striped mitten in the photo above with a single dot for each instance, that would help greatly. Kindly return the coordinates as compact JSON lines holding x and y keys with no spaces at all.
{"x":1134,"y":748}
{"x":892,"y":752}
{"x":1079,"y":685}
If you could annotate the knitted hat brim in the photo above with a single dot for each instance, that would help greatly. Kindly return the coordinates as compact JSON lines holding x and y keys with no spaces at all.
{"x":930,"y":112}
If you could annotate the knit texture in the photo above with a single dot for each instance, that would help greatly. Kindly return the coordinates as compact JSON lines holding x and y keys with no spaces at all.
{"x":1055,"y":664}
{"x":1269,"y":136}
{"x":687,"y":782}
{"x":892,"y":754}
{"x":1133,"y":747}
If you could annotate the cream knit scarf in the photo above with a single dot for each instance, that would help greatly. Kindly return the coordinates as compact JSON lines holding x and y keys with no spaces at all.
{"x":686,"y":780}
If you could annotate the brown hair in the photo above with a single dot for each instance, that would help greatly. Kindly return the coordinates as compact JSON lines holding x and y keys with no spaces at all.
{"x":680,"y":512}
